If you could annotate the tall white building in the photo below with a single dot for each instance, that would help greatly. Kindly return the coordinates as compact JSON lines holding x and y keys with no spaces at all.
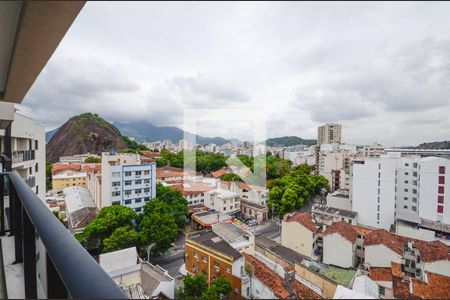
{"x":330,"y":133}
{"x":126,"y":181}
{"x":407,"y":188}
{"x":28,"y":150}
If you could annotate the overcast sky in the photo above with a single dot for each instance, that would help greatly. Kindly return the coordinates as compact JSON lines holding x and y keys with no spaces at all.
{"x":380,"y":69}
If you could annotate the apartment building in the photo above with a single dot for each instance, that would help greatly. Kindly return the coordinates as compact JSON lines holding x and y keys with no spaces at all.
{"x":406,"y":188}
{"x":223,"y":201}
{"x":330,"y":133}
{"x":27,"y":148}
{"x":77,"y":158}
{"x":372,"y":151}
{"x":208,"y":253}
{"x":126,"y":181}
{"x":68,"y":178}
{"x":236,"y":236}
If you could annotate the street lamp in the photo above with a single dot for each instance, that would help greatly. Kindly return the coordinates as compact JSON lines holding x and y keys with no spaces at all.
{"x":149,"y":247}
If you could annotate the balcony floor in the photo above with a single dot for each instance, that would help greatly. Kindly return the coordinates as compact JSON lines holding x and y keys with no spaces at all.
{"x":13,"y":272}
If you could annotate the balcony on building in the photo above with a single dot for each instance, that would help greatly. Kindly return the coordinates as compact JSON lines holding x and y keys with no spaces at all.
{"x":39,"y":258}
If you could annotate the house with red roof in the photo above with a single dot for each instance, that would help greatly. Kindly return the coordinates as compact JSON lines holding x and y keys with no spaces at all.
{"x":339,"y":245}
{"x":300,"y":233}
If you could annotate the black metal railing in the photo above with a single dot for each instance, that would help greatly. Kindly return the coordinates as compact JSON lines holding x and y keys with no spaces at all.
{"x":23,"y":155}
{"x":71,"y":270}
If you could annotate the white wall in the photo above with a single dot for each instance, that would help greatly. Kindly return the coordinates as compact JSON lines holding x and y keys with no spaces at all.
{"x":373,"y":192}
{"x":338,"y":251}
{"x":380,"y":256}
{"x":439,"y":267}
{"x":258,"y":290}
{"x":296,"y":237}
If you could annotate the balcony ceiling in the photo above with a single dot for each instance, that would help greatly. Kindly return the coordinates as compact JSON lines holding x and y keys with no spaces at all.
{"x":30,"y":32}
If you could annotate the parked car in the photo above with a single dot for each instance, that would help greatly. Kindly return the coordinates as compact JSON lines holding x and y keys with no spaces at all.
{"x":252,"y":223}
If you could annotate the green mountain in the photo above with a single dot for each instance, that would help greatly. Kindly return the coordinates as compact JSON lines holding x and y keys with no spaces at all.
{"x":85,"y":133}
{"x":287,"y":141}
{"x":435,"y":145}
{"x":144,"y":131}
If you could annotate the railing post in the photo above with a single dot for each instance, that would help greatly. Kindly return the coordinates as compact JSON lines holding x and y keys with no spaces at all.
{"x":17,"y":212}
{"x":55,"y":286}
{"x":29,"y":256}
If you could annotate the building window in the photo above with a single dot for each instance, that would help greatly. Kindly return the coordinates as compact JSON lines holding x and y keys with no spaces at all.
{"x":147,"y":199}
{"x":440,"y":189}
{"x":30,"y":169}
{"x":138,"y":209}
{"x":204,"y":258}
{"x":146,"y":181}
{"x":406,"y":165}
{"x":406,"y":173}
{"x":414,"y":200}
{"x":127,"y":173}
{"x":406,"y":190}
{"x":36,"y":144}
{"x":414,"y":191}
{"x":116,"y":183}
{"x":194,"y":269}
{"x":138,"y":200}
{"x":442,"y":170}
{"x":138,"y":173}
{"x":127,"y":193}
{"x":147,"y":190}
{"x":378,"y":217}
{"x":381,"y":290}
{"x":414,"y":208}
{"x":115,"y":174}
{"x":415,"y":174}
{"x":138,"y":182}
{"x":196,"y":255}
{"x":37,"y":189}
{"x":216,"y":265}
{"x":405,"y":198}
{"x":441,"y":179}
{"x":127,"y":202}
{"x":405,"y":206}
{"x":406,"y":181}
{"x":228,"y":270}
{"x":115,"y":194}
{"x":138,"y":191}
{"x":146,"y":172}
{"x":440,"y":199}
{"x":36,"y":168}
{"x":115,"y":203}
{"x":128,"y":182}
{"x":440,"y":209}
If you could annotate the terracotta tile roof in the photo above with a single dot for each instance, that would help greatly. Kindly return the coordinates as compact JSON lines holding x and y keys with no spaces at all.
{"x":218,"y":173}
{"x":432,"y":251}
{"x":191,"y":188}
{"x":380,"y":274}
{"x":344,"y":229}
{"x":56,"y":168}
{"x":383,"y":237}
{"x":436,"y":287}
{"x":304,"y":219}
{"x":362,"y":230}
{"x":303,"y":292}
{"x":267,"y":276}
{"x":151,"y":154}
{"x":429,"y":251}
{"x":91,"y":167}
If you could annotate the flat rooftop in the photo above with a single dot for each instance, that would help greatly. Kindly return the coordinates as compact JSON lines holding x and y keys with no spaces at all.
{"x":211,"y":240}
{"x":327,"y":210}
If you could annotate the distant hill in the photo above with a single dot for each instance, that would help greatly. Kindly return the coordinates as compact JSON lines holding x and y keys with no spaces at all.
{"x":49,"y":134}
{"x":144,"y":131}
{"x":435,"y":145}
{"x":85,"y":133}
{"x":287,"y":141}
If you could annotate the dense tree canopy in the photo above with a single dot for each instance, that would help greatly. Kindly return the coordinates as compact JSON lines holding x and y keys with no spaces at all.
{"x":48,"y":176}
{"x":290,"y":192}
{"x":196,"y":287}
{"x":108,"y":220}
{"x":121,"y":238}
{"x":92,"y":159}
{"x":176,"y":202}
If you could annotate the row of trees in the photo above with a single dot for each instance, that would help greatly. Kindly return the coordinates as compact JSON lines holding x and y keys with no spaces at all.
{"x":292,"y":191}
{"x":117,"y":227}
{"x":196,"y":287}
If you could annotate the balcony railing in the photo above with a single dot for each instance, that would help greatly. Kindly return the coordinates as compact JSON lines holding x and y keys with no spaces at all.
{"x":71,"y":271}
{"x":24,"y":155}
